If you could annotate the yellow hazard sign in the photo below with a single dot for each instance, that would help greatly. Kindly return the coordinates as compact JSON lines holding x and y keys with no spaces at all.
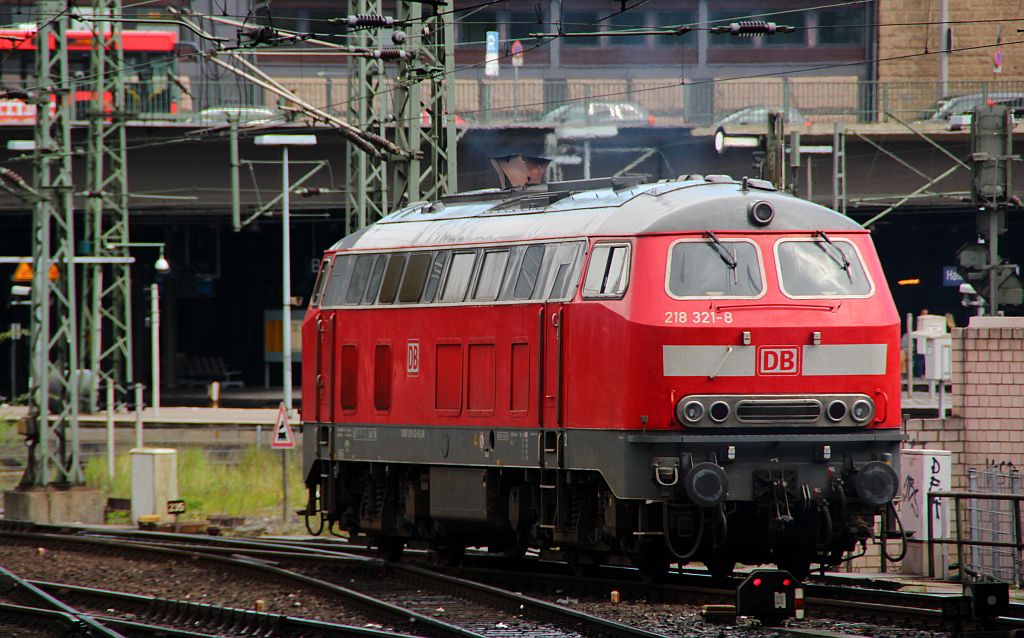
{"x":23,"y":273}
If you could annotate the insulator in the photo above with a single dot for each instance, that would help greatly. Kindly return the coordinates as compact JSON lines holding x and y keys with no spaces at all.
{"x":751,"y":28}
{"x":374,"y":138}
{"x":372,"y":20}
{"x":391,"y":53}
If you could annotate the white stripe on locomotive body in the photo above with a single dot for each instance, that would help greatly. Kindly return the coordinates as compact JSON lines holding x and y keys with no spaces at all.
{"x":818,"y":361}
{"x":706,"y":361}
{"x":845,"y":359}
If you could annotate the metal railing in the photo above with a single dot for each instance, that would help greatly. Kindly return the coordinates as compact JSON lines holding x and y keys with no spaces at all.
{"x":1014,"y":547}
{"x":553,"y":102}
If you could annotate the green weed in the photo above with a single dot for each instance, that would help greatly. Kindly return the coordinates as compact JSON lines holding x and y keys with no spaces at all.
{"x":250,"y":487}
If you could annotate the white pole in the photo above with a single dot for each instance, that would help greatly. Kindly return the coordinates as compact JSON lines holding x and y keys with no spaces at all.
{"x":943,"y":48}
{"x":110,"y":428}
{"x":154,"y":336}
{"x":138,"y":415}
{"x":286,"y":286}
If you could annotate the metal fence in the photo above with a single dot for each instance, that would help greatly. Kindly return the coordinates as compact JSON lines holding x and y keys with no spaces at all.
{"x":806,"y":99}
{"x":995,"y":521}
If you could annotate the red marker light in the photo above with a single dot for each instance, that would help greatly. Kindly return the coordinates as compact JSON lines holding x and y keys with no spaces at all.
{"x":786,"y":582}
{"x":757,"y":582}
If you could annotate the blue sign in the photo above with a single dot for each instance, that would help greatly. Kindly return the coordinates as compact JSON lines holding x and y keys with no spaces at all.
{"x":950,"y":277}
{"x":491,"y":54}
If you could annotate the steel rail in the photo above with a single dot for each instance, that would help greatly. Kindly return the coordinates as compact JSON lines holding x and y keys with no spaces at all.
{"x":403,"y":616}
{"x":587,"y":624}
{"x":16,"y":585}
{"x":244,"y":621}
{"x":252,"y":554}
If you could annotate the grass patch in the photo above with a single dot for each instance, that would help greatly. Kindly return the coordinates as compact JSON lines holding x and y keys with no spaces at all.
{"x":250,"y":488}
{"x":9,"y":433}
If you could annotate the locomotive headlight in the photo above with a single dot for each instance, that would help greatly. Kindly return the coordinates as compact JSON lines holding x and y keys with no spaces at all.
{"x":861,"y":410}
{"x":761,"y":213}
{"x":836,"y":411}
{"x":689,"y":411}
{"x":719,"y":411}
{"x":876,"y":483}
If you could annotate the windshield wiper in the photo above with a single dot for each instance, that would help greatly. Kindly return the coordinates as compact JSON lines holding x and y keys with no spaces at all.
{"x":835,"y":253}
{"x":723,"y":252}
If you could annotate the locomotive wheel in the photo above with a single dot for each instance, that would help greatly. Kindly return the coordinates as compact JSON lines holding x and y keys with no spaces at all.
{"x":653,"y":565}
{"x":720,"y":567}
{"x":392,"y":547}
{"x":449,"y":555}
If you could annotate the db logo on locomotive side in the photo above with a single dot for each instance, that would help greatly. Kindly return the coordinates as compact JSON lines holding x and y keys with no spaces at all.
{"x":781,"y":360}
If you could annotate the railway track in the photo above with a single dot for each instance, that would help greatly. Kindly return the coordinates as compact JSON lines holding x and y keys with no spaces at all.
{"x":476,"y":597}
{"x":412,"y":599}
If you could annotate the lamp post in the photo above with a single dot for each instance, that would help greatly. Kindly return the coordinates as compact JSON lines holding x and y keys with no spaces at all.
{"x":161,"y":265}
{"x":284,"y":141}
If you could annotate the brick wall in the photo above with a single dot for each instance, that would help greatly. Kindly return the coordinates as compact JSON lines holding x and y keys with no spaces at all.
{"x":986,"y":426}
{"x":972,"y":65}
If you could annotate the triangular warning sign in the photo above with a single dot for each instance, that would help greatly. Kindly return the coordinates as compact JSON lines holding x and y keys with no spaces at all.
{"x":283,"y":437}
{"x":22,"y":273}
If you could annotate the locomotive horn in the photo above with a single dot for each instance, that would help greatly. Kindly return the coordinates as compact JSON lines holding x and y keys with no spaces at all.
{"x":520,"y":170}
{"x":706,"y":484}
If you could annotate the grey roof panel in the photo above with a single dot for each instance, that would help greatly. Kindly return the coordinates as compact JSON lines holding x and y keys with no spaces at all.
{"x":649,"y":208}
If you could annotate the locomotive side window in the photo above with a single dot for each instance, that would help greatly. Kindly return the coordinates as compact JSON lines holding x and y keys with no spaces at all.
{"x":711,"y":267}
{"x":434,"y":278}
{"x":557,"y":274}
{"x":415,"y":276}
{"x":821,"y":267}
{"x":357,"y":282}
{"x":492,"y":271}
{"x":608,"y":271}
{"x":460,"y":271}
{"x":373,"y":286}
{"x":528,"y":271}
{"x":337,"y":283}
{"x":321,"y":281}
{"x":392,"y":278}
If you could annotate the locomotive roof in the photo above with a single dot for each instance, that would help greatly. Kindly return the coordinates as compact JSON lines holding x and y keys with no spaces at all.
{"x":685,"y":205}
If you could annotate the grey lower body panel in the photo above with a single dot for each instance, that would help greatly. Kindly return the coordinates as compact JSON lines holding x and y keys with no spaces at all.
{"x":625,"y":458}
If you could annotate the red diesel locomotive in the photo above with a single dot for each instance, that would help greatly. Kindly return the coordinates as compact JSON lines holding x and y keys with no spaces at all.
{"x":700,"y":369}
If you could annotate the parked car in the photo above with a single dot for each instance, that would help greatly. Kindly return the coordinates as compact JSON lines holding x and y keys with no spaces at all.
{"x":599,"y":113}
{"x":960,"y":105}
{"x":759,"y":115}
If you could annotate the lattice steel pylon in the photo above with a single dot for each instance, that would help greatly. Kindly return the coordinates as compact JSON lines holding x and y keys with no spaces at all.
{"x":367,"y":194}
{"x":424,"y":91}
{"x":53,"y":433}
{"x":106,"y":332}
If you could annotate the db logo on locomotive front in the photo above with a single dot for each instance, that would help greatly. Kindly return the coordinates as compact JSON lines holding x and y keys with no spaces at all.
{"x":778,"y":360}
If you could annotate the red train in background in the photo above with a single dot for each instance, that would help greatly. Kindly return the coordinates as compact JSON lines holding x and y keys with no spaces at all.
{"x":702,"y":369}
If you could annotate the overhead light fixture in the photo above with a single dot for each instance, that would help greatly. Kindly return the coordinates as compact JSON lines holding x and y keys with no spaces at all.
{"x":724,"y":141}
{"x":161,"y":264}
